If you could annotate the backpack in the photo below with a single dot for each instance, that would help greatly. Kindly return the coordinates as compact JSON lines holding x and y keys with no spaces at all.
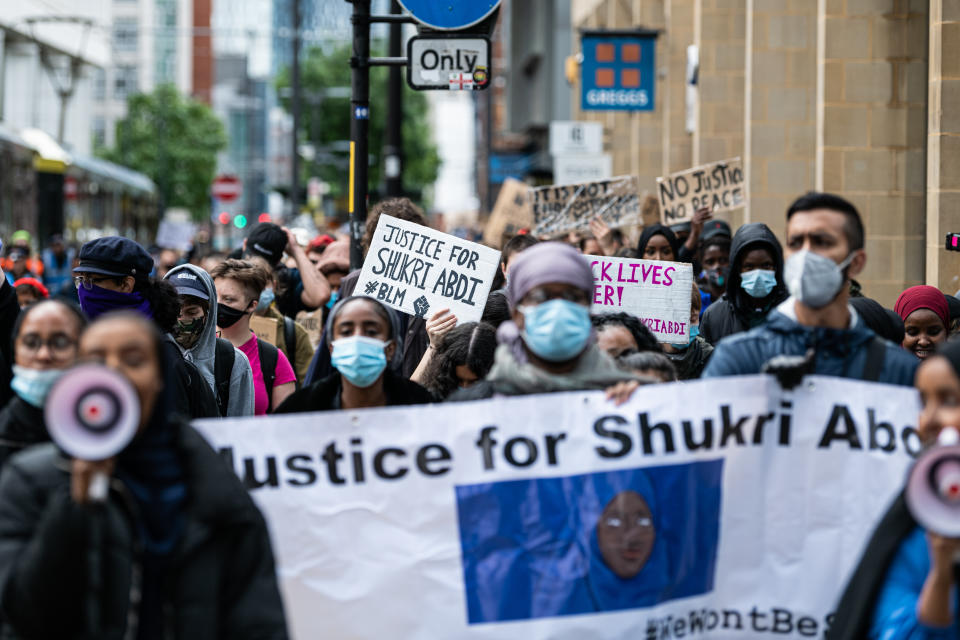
{"x":269,"y":355}
{"x":290,"y":337}
{"x":224,"y":357}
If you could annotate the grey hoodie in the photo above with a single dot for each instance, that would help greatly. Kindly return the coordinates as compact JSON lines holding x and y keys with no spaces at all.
{"x":203,"y":353}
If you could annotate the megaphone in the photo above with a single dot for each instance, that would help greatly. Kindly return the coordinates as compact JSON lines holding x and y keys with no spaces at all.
{"x":92,"y":413}
{"x":933,"y":486}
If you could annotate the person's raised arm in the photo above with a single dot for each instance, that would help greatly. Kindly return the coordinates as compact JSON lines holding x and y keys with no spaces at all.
{"x":316,"y":289}
{"x":437,"y":326}
{"x":700,"y":218}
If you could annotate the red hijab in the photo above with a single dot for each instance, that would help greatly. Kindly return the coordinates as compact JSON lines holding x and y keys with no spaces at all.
{"x":923,"y":297}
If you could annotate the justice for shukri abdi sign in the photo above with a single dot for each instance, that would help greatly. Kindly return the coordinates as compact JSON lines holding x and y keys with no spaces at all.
{"x":418,"y":270}
{"x":738,"y":515}
{"x":655,"y":291}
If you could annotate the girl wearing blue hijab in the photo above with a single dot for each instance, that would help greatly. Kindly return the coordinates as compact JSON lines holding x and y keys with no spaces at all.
{"x":628,"y":562}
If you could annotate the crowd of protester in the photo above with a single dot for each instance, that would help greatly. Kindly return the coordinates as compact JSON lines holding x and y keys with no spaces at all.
{"x":181,"y":329}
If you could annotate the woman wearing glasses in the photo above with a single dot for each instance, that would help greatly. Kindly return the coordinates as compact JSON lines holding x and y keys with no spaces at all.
{"x":44,"y":346}
{"x":550,"y":344}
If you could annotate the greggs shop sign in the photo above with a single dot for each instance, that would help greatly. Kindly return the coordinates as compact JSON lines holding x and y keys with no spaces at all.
{"x":619,"y":70}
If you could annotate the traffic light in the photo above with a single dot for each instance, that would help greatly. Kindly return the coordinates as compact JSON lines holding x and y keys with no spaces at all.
{"x":224,"y":217}
{"x":240,"y":221}
{"x":264,"y":217}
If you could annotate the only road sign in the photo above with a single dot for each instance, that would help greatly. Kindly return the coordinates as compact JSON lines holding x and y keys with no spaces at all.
{"x":448,"y":63}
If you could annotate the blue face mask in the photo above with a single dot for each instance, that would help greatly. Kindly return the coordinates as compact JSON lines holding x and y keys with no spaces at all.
{"x":360,"y":360}
{"x":556,"y":330}
{"x":333,"y":299}
{"x":758,"y":283}
{"x":694,"y":332}
{"x":33,"y":385}
{"x":266,"y":299}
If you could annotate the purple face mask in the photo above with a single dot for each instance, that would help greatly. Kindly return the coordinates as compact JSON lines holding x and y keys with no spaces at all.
{"x":97,"y":301}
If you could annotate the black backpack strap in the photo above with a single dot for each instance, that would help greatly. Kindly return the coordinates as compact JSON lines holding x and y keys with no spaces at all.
{"x":224,"y":357}
{"x":290,"y":337}
{"x":269,"y":355}
{"x":876,"y":352}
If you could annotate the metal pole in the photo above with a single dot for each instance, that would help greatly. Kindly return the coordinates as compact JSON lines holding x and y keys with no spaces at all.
{"x":359,"y":121}
{"x":295,"y":111}
{"x":393,"y":136}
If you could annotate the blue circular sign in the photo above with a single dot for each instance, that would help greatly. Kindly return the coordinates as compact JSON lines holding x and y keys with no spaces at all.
{"x":449,"y":15}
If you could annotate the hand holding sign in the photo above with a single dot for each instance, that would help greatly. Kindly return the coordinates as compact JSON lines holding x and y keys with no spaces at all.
{"x":439,"y":325}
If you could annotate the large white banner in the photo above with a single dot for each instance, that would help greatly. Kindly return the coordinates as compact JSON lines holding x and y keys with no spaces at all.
{"x":723,"y":508}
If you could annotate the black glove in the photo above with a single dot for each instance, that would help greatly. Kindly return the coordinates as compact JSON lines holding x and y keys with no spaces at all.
{"x":790,"y":370}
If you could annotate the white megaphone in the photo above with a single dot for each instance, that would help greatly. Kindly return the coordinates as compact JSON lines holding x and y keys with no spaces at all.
{"x":933,"y":486}
{"x":92,"y":413}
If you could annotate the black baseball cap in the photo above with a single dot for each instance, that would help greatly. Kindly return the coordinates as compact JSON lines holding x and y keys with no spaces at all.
{"x":268,"y":241}
{"x":680,"y":227}
{"x":715,"y":228}
{"x":188,"y":284}
{"x":114,"y":256}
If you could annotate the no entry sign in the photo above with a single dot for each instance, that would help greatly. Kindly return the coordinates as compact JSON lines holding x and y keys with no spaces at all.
{"x":226,"y":188}
{"x":449,"y":15}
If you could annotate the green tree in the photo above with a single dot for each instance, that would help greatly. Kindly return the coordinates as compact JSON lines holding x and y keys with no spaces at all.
{"x":174,"y":140}
{"x":325,"y":122}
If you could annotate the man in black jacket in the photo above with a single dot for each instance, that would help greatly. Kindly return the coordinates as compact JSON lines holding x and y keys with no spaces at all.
{"x":749,"y":298}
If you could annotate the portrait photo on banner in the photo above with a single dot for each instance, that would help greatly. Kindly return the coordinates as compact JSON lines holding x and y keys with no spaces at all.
{"x":606,"y":541}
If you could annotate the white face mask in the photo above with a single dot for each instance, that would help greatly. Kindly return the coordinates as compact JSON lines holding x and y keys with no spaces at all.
{"x":813,"y":279}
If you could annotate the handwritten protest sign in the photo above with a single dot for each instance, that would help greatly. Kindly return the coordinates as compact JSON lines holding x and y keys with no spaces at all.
{"x":657,"y":292}
{"x":511,"y":213}
{"x":558,"y":209}
{"x":717,"y":186}
{"x":418,"y":270}
{"x":267,"y":329}
{"x":498,"y":519}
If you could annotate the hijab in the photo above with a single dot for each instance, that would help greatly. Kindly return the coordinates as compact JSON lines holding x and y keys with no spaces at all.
{"x":923,"y":297}
{"x":652,"y":584}
{"x":658,"y":230}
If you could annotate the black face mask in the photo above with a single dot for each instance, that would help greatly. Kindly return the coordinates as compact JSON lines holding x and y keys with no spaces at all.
{"x":228,"y":316}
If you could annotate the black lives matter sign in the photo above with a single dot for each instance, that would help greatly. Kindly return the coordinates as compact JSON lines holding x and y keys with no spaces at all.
{"x":718,"y":186}
{"x":418,"y":270}
{"x":559,"y":209}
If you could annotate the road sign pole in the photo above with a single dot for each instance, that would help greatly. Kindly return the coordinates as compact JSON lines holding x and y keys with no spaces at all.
{"x":359,"y":121}
{"x":393,"y":142}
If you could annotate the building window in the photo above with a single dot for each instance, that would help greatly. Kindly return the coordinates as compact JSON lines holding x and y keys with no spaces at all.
{"x":99,"y":84}
{"x":125,"y":34}
{"x":99,"y":132}
{"x":124,"y":82}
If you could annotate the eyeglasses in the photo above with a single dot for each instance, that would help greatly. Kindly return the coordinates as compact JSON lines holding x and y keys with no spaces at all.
{"x":59,"y":344}
{"x":89,"y":281}
{"x":539,"y":296}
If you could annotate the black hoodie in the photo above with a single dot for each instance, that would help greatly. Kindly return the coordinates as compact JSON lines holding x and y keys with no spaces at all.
{"x":737,"y":311}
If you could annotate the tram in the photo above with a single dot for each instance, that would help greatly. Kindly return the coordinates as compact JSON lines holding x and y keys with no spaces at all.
{"x":47,"y":190}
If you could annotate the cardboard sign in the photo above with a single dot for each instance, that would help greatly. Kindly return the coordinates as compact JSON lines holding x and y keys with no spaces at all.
{"x":312,"y":321}
{"x":657,"y":292}
{"x":558,"y":209}
{"x":511,"y":213}
{"x":266,"y":329}
{"x":498,"y":519}
{"x":717,"y":186}
{"x":418,"y":270}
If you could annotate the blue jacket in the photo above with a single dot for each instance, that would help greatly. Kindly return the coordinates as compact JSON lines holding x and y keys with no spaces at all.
{"x":895,"y":615}
{"x":839,"y":352}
